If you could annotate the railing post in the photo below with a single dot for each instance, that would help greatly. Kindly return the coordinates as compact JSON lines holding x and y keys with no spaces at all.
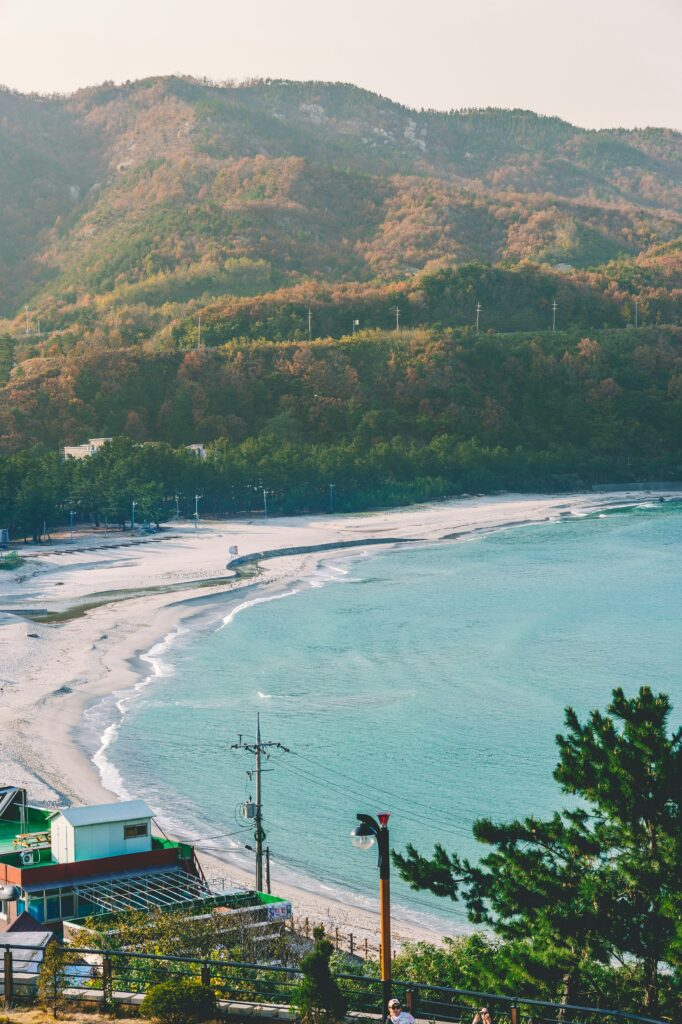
{"x":411,"y":1002}
{"x":514,"y":1015}
{"x":206,"y":975}
{"x":9,"y":977}
{"x":107,"y":988}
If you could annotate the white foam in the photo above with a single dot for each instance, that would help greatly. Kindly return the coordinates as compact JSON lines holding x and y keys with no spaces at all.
{"x":230,"y":617}
{"x":108,"y":772}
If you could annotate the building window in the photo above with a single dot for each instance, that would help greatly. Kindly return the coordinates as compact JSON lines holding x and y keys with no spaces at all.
{"x":135,"y":831}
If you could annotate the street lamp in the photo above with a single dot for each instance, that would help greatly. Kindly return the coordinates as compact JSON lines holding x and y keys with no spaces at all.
{"x":265,"y":505}
{"x":363,"y":837}
{"x":132,"y":518}
{"x":331,"y":498}
{"x":197,"y":499}
{"x":72,"y":513}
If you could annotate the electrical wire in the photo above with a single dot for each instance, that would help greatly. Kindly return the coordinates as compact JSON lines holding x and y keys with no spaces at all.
{"x":459,"y":831}
{"x":365,"y":786}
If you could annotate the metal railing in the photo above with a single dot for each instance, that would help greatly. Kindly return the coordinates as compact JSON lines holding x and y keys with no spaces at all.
{"x":116,"y":976}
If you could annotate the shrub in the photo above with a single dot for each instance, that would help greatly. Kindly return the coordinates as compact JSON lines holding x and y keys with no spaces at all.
{"x":318,"y":998}
{"x":179,"y":1001}
{"x":54,"y":977}
{"x":11,"y":561}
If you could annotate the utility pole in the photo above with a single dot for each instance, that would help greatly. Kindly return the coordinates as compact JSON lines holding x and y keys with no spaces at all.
{"x":397,"y":318}
{"x":267,"y":870}
{"x":636,"y":312}
{"x":554,"y":309}
{"x":331,"y":498}
{"x":265,"y":506}
{"x":199,"y":333}
{"x":260,"y":750}
{"x":310,"y":324}
{"x":27,"y":327}
{"x":478,"y":314}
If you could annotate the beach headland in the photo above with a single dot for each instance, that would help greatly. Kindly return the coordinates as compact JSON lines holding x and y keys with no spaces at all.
{"x":76,"y":620}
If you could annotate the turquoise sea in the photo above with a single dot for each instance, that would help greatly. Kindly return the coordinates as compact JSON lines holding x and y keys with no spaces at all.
{"x":429,"y":681}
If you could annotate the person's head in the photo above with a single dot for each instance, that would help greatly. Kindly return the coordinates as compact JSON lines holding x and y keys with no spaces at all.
{"x":486,"y":1016}
{"x":394,"y":1007}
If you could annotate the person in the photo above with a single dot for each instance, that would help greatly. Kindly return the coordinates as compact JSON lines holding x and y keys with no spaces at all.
{"x":397,"y":1015}
{"x":482,"y":1016}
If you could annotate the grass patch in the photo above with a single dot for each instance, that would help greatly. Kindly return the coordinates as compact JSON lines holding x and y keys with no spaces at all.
{"x":12,"y":560}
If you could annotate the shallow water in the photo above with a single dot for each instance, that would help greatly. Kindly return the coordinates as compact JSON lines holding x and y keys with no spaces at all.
{"x":428,"y":681}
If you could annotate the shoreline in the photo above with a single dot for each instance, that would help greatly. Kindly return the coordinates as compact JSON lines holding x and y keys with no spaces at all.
{"x":52,"y":675}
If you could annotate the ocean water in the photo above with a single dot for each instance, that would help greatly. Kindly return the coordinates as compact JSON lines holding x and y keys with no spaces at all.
{"x":429,"y":681}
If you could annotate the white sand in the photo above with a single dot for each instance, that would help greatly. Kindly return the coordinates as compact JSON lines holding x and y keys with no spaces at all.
{"x":49,"y":678}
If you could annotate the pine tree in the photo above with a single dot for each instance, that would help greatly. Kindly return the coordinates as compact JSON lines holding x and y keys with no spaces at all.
{"x":318,"y":998}
{"x":589,"y":884}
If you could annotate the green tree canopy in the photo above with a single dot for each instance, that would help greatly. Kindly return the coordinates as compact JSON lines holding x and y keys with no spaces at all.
{"x":594,"y":882}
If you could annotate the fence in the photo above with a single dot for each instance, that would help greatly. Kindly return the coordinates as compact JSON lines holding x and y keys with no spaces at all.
{"x":113,"y":976}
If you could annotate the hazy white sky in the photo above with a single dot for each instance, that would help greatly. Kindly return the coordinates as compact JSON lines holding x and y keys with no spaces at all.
{"x":597,"y":63}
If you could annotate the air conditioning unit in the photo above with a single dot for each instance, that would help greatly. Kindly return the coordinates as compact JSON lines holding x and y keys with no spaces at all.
{"x":30,"y":857}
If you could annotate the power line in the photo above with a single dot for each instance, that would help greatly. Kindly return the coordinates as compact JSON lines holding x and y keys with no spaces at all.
{"x":459,"y":831}
{"x":360,"y":782}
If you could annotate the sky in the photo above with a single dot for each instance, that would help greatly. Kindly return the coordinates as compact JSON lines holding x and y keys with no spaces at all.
{"x":596,"y":63}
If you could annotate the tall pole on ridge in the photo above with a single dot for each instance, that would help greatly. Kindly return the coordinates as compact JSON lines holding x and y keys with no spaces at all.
{"x":310,"y":324}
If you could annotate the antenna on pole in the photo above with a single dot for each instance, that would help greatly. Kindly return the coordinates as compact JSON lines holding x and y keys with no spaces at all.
{"x":310,"y":324}
{"x":554,"y":309}
{"x":397,"y":318}
{"x":478,"y":314}
{"x":260,"y":750}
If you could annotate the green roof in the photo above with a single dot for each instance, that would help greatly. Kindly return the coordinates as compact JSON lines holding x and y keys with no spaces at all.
{"x":37,"y":820}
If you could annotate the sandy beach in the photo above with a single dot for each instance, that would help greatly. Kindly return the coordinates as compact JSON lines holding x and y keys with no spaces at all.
{"x":116,"y":598}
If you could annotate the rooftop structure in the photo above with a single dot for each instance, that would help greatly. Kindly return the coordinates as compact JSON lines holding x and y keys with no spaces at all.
{"x":84,"y":451}
{"x":63,"y":866}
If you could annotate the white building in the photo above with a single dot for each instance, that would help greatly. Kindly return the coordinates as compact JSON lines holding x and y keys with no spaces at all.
{"x":103,"y":830}
{"x":84,"y":451}
{"x":198,"y":449}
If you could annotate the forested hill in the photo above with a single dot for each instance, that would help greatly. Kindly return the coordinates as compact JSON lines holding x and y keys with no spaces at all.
{"x":141,"y":221}
{"x":169,"y":190}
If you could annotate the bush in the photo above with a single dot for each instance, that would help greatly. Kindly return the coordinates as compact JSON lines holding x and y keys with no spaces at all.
{"x":11,"y":561}
{"x":318,"y":998}
{"x":54,"y":977}
{"x":179,"y":1002}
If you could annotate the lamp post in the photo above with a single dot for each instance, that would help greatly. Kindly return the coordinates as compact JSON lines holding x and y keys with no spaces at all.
{"x":265,"y":505}
{"x":331,"y":498}
{"x":72,"y":513}
{"x":197,"y":499}
{"x":363,"y":836}
{"x":132,"y":518}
